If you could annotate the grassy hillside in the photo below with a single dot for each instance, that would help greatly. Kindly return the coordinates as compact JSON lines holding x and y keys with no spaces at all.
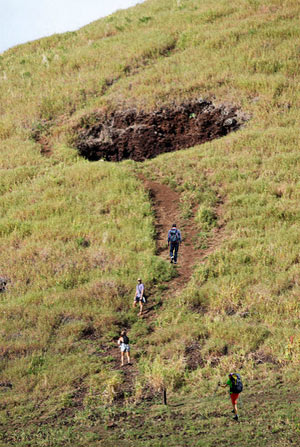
{"x":75,"y":235}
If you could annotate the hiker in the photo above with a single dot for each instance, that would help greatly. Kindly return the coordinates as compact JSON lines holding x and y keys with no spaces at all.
{"x":123,"y":342}
{"x":3,"y":284}
{"x":235,"y":388}
{"x":174,"y":239}
{"x":139,"y":295}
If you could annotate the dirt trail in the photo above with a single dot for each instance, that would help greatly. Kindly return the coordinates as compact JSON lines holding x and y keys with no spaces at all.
{"x":166,"y":209}
{"x":166,"y":206}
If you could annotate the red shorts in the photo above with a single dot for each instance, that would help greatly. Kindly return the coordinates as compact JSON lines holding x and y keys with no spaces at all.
{"x":234,"y":397}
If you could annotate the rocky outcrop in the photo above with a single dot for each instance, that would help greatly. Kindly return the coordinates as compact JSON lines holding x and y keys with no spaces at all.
{"x":137,"y":135}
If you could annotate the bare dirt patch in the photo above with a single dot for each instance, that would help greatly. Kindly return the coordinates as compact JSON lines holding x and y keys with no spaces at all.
{"x":193,"y":356}
{"x":138,"y":135}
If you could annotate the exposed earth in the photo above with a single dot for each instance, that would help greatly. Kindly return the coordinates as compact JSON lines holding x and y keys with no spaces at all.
{"x":166,"y":205}
{"x":139,"y":136}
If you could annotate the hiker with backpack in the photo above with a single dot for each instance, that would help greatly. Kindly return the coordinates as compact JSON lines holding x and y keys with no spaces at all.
{"x":123,"y":342}
{"x":174,"y":240}
{"x":235,"y":388}
{"x":3,"y":284}
{"x":139,"y":295}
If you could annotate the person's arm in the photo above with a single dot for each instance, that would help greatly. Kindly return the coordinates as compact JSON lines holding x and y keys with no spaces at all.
{"x":168,"y":238}
{"x":180,"y":239}
{"x":120,"y":340}
{"x":142,"y":291}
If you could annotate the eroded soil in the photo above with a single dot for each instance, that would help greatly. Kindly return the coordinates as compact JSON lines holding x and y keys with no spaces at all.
{"x":139,"y":136}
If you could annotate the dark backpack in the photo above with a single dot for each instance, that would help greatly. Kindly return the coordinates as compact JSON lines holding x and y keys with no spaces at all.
{"x":3,"y":284}
{"x":125,"y":339}
{"x":174,"y":237}
{"x":237,"y":385}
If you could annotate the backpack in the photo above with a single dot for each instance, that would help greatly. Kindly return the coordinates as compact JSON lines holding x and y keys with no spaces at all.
{"x":3,"y":284}
{"x":237,"y":385}
{"x":125,"y":339}
{"x":174,"y":235}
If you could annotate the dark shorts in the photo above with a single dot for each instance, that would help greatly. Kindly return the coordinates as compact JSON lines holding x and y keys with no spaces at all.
{"x":138,"y":299}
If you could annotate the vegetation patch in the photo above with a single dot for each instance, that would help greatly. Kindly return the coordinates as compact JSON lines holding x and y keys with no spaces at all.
{"x":135,"y":135}
{"x":75,"y":235}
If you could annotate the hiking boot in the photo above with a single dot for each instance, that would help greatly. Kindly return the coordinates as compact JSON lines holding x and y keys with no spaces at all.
{"x":175,"y":262}
{"x":172,"y":260}
{"x":236,"y":418}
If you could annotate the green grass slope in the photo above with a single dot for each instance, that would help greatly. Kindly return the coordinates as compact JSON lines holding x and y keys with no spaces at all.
{"x":74,"y":235}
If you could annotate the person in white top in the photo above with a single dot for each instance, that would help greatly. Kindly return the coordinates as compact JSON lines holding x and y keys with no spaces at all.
{"x":123,"y":342}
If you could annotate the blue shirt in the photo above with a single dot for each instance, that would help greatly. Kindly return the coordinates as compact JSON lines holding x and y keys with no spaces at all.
{"x":139,"y":289}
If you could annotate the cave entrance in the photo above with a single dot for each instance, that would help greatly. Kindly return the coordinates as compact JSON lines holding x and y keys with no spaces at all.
{"x":137,"y":135}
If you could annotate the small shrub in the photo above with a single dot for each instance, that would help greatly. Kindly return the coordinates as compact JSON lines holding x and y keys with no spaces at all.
{"x":37,"y":365}
{"x":206,"y":217}
{"x":111,"y":387}
{"x":145,"y":19}
{"x":165,"y":374}
{"x":82,"y":242}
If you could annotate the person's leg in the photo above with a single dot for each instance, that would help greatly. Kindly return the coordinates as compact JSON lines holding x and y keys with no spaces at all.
{"x":176,"y":246}
{"x":232,"y":403}
{"x":122,"y":358}
{"x":235,"y":404}
{"x":141,"y":307}
{"x":234,"y":398}
{"x":235,"y":409}
{"x":171,"y":251}
{"x":128,"y":356}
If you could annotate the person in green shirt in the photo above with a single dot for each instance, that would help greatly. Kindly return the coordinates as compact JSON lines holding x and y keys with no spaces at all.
{"x":234,"y":395}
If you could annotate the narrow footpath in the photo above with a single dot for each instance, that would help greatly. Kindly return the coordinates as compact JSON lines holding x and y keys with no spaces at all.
{"x":166,"y":207}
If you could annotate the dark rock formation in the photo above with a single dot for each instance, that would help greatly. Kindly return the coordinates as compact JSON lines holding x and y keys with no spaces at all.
{"x":138,"y":136}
